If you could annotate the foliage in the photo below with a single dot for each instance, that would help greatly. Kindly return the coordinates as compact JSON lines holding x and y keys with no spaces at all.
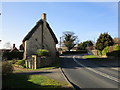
{"x":83,"y":45}
{"x":7,"y":45}
{"x":13,"y":55}
{"x":99,"y":53}
{"x":21,"y":63}
{"x":69,"y":39}
{"x":105,"y":50}
{"x":103,"y":41}
{"x":42,"y":52}
{"x":7,"y":68}
{"x":116,"y":47}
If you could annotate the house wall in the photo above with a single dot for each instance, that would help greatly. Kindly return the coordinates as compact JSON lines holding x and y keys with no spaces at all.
{"x":48,"y":41}
{"x":35,"y":42}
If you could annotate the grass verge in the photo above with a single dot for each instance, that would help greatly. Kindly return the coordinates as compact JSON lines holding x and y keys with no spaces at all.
{"x":31,"y":81}
{"x":90,"y":56}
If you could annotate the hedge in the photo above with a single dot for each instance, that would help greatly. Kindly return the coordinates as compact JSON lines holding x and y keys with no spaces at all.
{"x":114,"y":53}
{"x":116,"y":47}
{"x":105,"y":50}
{"x":13,"y":55}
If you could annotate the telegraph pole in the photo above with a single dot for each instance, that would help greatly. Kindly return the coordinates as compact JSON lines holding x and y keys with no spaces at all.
{"x":60,"y":42}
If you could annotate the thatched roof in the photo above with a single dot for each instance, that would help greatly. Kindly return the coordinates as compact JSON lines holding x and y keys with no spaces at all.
{"x":40,"y":22}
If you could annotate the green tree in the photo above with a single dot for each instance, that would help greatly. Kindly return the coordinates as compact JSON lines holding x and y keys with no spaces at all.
{"x":83,"y":45}
{"x":69,"y":39}
{"x":103,"y":41}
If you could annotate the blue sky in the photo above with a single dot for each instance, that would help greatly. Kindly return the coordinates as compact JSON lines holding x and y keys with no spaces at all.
{"x":86,"y":19}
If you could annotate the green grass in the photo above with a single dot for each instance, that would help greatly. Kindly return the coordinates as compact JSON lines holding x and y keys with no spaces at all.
{"x":95,"y":58}
{"x":31,"y":81}
{"x":90,"y":56}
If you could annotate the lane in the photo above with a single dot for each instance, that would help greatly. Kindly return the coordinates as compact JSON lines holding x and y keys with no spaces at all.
{"x":97,"y":67}
{"x":85,"y":78}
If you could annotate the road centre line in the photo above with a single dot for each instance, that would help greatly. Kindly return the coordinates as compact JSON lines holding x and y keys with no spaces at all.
{"x":98,"y":72}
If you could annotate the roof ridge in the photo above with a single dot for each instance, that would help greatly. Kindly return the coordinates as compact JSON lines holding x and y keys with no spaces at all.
{"x":40,"y":22}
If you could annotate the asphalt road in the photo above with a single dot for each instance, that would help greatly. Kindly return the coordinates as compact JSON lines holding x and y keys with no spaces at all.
{"x":90,"y":74}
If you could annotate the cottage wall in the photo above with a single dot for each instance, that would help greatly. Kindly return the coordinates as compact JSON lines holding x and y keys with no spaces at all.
{"x":35,"y":42}
{"x":48,"y":41}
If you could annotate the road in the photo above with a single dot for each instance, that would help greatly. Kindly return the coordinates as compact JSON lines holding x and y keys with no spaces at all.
{"x":89,"y":74}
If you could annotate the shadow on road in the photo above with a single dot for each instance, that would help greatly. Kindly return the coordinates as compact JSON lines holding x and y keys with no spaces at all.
{"x":68,"y":62}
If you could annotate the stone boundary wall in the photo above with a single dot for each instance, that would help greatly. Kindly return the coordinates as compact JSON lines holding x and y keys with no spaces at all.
{"x":41,"y":62}
{"x":38,"y":62}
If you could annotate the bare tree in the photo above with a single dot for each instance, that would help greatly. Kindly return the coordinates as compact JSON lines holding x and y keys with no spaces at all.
{"x":7,"y":45}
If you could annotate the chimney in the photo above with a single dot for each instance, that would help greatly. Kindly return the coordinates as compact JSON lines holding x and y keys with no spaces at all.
{"x":13,"y":45}
{"x":43,"y":16}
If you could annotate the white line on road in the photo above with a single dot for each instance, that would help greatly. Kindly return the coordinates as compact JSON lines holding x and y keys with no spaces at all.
{"x":98,"y":72}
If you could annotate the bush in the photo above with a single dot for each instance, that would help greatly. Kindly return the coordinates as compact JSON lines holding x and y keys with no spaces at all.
{"x":7,"y":68}
{"x":99,"y":52}
{"x":21,"y":63}
{"x":42,"y":52}
{"x":116,"y":47}
{"x":105,"y":50}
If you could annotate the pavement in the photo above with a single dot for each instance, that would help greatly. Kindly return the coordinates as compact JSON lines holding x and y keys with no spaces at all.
{"x":55,"y":74}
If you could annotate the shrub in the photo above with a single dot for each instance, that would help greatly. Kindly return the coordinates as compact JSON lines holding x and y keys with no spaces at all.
{"x":21,"y":63}
{"x":116,"y":47}
{"x":42,"y":52}
{"x":105,"y":50}
{"x":7,"y":68}
{"x":99,"y":52}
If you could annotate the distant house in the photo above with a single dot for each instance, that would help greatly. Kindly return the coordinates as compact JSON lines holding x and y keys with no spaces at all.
{"x":21,"y":48}
{"x":117,"y":40}
{"x":40,"y":37}
{"x":3,"y":52}
{"x":14,"y":49}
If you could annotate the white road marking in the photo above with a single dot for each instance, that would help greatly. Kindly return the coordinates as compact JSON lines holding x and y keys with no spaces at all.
{"x":98,"y":72}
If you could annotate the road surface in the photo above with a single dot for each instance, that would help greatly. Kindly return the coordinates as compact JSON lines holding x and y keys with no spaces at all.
{"x":90,"y":74}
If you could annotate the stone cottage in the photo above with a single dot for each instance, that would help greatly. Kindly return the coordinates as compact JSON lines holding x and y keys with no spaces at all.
{"x":40,"y":37}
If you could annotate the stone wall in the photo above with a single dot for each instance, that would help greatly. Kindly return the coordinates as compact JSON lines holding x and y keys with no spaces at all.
{"x":41,"y":62}
{"x":38,"y":62}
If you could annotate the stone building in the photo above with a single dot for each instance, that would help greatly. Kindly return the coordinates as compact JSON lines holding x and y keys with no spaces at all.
{"x":40,"y":37}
